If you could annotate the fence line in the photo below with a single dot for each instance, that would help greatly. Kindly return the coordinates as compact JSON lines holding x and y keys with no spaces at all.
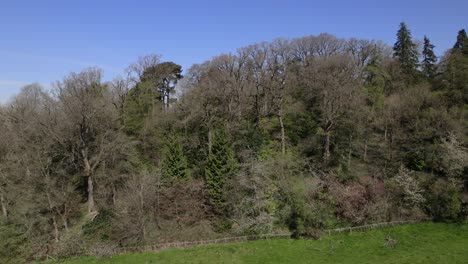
{"x":186,"y":244}
{"x":371,"y":226}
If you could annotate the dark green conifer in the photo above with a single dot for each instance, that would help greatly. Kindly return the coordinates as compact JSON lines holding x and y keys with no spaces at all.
{"x":405,"y":50}
{"x":137,"y":108}
{"x":462,"y":42}
{"x":174,"y":162}
{"x":455,"y":74}
{"x":429,"y":59}
{"x":221,"y":164}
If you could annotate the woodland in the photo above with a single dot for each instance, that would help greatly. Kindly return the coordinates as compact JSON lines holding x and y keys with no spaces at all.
{"x":292,"y":135}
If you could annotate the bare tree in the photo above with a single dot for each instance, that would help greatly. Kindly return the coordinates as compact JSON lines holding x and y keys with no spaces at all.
{"x":91,"y":123}
{"x":135,"y":207}
{"x":136,"y":70}
{"x":278,"y":62}
{"x":119,"y":91}
{"x":5,"y":144}
{"x":334,"y":87}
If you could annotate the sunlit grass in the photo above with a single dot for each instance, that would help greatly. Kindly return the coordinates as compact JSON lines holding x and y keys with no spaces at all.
{"x":416,"y":243}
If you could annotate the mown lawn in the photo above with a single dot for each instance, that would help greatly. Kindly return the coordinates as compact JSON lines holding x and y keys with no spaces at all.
{"x":416,"y":243}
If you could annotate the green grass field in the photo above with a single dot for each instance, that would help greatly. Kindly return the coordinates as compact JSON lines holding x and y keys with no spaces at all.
{"x":416,"y":243}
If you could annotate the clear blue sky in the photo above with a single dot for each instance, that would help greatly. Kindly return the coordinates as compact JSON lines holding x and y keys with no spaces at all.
{"x":42,"y":41}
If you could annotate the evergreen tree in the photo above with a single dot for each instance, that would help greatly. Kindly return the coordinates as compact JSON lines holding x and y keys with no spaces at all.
{"x":455,"y":74}
{"x":375,"y":78}
{"x":429,"y":59}
{"x":405,"y":50}
{"x":174,"y":162}
{"x":462,"y":42}
{"x":138,"y":107}
{"x":157,"y":83}
{"x":221,"y":164}
{"x":164,"y":76}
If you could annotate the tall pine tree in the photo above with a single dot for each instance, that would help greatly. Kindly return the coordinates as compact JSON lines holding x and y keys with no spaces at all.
{"x":462,"y":42}
{"x":455,"y":75}
{"x":406,"y":52}
{"x":462,"y":39}
{"x":429,"y":59}
{"x":221,"y":164}
{"x":174,"y":162}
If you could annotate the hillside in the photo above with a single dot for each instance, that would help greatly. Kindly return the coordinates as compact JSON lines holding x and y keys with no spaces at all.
{"x":294,"y":135}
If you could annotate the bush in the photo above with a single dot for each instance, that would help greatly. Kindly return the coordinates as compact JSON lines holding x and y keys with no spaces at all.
{"x":14,"y":246}
{"x":444,"y":201}
{"x":102,"y":250}
{"x":70,"y":245}
{"x":308,"y":207}
{"x":100,"y":227}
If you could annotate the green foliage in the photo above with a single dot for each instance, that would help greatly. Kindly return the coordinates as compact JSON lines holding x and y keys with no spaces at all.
{"x":421,"y":118}
{"x":455,"y":77}
{"x":174,"y":162}
{"x":156,"y":85}
{"x":305,"y":206}
{"x":100,"y":228}
{"x":138,"y":107}
{"x":14,"y":245}
{"x":220,"y":165}
{"x":429,"y":59}
{"x":444,"y":201}
{"x":248,"y":140}
{"x":344,"y":171}
{"x":163,"y":77}
{"x":415,"y":160}
{"x":299,"y":125}
{"x":376,"y":79}
{"x":223,"y":225}
{"x":462,"y":42}
{"x":405,"y":50}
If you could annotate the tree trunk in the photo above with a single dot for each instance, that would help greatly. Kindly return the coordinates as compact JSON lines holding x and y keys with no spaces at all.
{"x":64,"y":216}
{"x":91,"y":206}
{"x":390,"y":147}
{"x":210,"y":139}
{"x":65,"y":222}
{"x":365,"y":149}
{"x":385,"y":132}
{"x":114,"y":195}
{"x":167,"y":100}
{"x":350,"y":151}
{"x":326,"y":152}
{"x":257,"y":107}
{"x":54,"y":220}
{"x":142,"y":211}
{"x":158,"y":203}
{"x":3,"y":202}
{"x":56,"y":231}
{"x":88,"y":174}
{"x":283,"y":137}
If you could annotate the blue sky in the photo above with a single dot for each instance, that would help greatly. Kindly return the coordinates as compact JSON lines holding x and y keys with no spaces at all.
{"x":42,"y":41}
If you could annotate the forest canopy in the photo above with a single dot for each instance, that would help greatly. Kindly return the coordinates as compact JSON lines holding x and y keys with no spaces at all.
{"x":296,"y":134}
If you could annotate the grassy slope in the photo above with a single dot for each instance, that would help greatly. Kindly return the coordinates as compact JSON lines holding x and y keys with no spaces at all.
{"x":417,"y":243}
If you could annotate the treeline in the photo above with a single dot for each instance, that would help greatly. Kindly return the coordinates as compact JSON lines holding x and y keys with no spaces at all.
{"x":295,"y":134}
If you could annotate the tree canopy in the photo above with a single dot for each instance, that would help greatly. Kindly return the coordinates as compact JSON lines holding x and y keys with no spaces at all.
{"x":298,"y":134}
